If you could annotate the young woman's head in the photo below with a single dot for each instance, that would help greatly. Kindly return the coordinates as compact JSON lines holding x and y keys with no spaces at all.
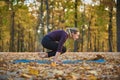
{"x":73,"y":33}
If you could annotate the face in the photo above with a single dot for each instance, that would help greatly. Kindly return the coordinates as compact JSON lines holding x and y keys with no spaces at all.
{"x":75,"y":36}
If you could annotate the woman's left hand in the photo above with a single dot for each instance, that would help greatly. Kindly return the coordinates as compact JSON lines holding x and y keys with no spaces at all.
{"x":56,"y":57}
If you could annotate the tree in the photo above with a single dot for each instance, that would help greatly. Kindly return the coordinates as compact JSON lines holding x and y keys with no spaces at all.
{"x":118,"y":25}
{"x":19,"y":26}
{"x":41,"y":33}
{"x":47,"y":19}
{"x":110,"y":32}
{"x":75,"y":22}
{"x":12,"y":31}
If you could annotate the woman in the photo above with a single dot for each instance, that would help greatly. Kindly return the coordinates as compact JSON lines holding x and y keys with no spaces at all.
{"x":55,"y":40}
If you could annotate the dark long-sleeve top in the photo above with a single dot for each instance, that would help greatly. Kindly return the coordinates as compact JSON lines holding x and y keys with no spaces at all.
{"x":60,"y":36}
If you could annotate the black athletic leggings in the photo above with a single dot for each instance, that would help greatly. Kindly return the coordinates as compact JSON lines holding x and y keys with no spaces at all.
{"x":48,"y":43}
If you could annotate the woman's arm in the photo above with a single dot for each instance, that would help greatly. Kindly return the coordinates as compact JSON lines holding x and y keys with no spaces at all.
{"x":60,"y":46}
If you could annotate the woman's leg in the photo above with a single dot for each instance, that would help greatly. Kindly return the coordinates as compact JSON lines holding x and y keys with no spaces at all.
{"x":53,"y":53}
{"x":52,"y":45}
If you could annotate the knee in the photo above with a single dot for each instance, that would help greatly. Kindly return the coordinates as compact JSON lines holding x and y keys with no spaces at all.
{"x":64,"y":50}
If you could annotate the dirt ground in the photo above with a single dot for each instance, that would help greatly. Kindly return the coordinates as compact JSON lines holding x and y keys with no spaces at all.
{"x":109,"y":70}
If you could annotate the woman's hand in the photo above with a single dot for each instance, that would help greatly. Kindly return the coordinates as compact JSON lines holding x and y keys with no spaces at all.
{"x":56,"y":57}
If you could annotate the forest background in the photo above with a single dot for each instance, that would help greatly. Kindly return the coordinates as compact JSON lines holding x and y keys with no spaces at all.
{"x":23,"y":23}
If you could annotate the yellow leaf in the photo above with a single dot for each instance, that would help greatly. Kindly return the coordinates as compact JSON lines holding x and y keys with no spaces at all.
{"x":33,"y":71}
{"x":91,"y":77}
{"x":53,"y":64}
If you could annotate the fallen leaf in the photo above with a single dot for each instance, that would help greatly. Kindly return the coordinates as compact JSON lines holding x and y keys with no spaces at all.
{"x":58,"y":72}
{"x":26,"y":76}
{"x":53,"y":64}
{"x":33,"y":71}
{"x":91,"y":77}
{"x":93,"y":72}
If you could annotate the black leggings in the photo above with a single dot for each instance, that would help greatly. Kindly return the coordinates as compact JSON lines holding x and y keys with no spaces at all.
{"x":48,"y":43}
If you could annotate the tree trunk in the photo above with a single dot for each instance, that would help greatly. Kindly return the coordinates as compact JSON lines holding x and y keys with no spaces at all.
{"x":76,"y":41}
{"x":89,"y":35}
{"x":22,"y":40}
{"x":98,"y":44}
{"x":52,"y":15}
{"x":110,"y":29}
{"x":82,"y":44}
{"x":103,"y":46}
{"x":12,"y":46}
{"x":118,"y":25}
{"x":95,"y":48}
{"x":0,"y":33}
{"x":18,"y":39}
{"x":47,"y":21}
{"x":29,"y":43}
{"x":41,"y":34}
{"x":0,"y":41}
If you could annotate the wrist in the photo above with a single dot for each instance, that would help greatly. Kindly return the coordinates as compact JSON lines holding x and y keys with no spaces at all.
{"x":57,"y":54}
